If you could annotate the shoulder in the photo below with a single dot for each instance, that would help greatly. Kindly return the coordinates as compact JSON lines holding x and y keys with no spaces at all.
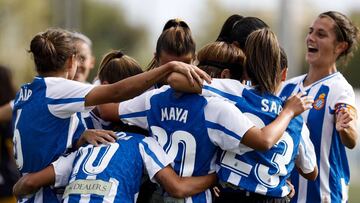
{"x":340,"y":82}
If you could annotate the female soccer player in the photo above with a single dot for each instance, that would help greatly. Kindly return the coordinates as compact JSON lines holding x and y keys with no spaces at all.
{"x":191,"y":127}
{"x":45,"y":110}
{"x":117,"y":176}
{"x":251,"y":175}
{"x":114,"y":66}
{"x":174,"y":44}
{"x":332,"y":120}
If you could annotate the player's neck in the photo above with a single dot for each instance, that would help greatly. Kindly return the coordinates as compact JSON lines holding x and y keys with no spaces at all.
{"x":60,"y":74}
{"x":318,"y":72}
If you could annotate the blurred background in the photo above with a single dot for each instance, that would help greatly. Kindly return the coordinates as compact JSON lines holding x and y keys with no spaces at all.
{"x":134,"y":26}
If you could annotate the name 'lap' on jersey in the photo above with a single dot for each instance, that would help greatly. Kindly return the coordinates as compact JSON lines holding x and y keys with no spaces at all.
{"x":45,"y":112}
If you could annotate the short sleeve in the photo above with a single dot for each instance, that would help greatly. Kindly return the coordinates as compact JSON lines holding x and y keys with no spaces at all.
{"x":306,"y":158}
{"x":226,"y":124}
{"x":134,"y":111}
{"x":153,"y":155}
{"x":227,"y":88}
{"x":62,"y":168}
{"x":343,"y":94}
{"x":66,"y":97}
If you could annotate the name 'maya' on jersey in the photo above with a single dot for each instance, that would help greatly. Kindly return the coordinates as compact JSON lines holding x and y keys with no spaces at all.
{"x":46,"y":124}
{"x":333,"y":179}
{"x":258,"y":171}
{"x":189,"y":127}
{"x":110,"y":173}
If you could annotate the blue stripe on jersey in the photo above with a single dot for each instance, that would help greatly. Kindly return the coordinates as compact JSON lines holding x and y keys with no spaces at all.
{"x":125,"y":166}
{"x":151,"y":154}
{"x":199,"y":198}
{"x":137,"y":114}
{"x":294,"y":177}
{"x":64,"y":101}
{"x":251,"y":175}
{"x":337,"y":159}
{"x":287,"y":91}
{"x":221,"y":93}
{"x":316,"y":116}
{"x":217,"y":126}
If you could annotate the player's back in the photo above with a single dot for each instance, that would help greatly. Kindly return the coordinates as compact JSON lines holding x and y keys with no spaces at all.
{"x":40,"y":136}
{"x":256,"y":171}
{"x":112,"y":173}
{"x":45,"y":125}
{"x":263,"y":172}
{"x":178,"y":122}
{"x":189,"y":127}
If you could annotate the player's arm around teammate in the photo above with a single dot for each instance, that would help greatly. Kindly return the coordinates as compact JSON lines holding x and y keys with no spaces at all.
{"x":58,"y":173}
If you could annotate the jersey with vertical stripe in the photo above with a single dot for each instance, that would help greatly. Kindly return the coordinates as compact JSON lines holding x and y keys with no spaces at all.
{"x":92,"y":121}
{"x":258,"y":171}
{"x":333,"y":179}
{"x":110,"y":173}
{"x":46,"y":124}
{"x":190,"y":128}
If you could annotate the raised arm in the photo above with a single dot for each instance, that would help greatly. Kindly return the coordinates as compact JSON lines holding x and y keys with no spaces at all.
{"x":180,"y":187}
{"x":135,"y":85}
{"x":346,"y":126}
{"x":268,"y":136}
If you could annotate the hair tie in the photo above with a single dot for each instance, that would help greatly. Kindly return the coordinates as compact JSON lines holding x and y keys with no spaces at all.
{"x":119,"y":54}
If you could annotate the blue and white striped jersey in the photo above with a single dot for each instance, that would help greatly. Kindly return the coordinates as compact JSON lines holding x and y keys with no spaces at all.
{"x":110,"y":173}
{"x":333,"y":179}
{"x":256,"y":171}
{"x":92,"y":121}
{"x":189,"y":127}
{"x":46,"y":124}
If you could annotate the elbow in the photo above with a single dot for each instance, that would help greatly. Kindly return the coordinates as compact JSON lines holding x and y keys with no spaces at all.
{"x":266,"y":145}
{"x":313,"y":175}
{"x":178,"y":193}
{"x":310,"y":176}
{"x":31,"y":184}
{"x":178,"y":190}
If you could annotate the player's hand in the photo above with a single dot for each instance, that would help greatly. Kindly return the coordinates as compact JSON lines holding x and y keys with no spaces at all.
{"x":292,"y":189}
{"x":298,"y":103}
{"x":343,"y":119}
{"x":193,"y":73}
{"x":216,"y":191}
{"x":97,"y":137}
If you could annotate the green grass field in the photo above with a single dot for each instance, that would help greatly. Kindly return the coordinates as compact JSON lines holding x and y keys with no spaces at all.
{"x":354,"y":194}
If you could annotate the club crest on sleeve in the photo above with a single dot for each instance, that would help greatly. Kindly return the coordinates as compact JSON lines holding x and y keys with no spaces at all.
{"x":319,"y":103}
